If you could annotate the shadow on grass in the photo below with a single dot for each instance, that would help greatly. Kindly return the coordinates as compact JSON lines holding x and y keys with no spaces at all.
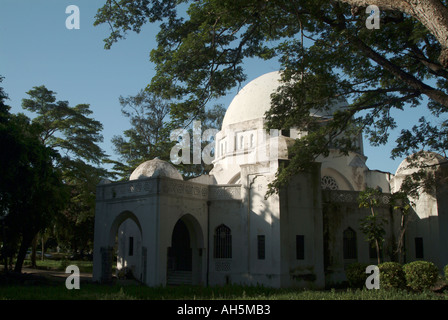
{"x":38,"y":287}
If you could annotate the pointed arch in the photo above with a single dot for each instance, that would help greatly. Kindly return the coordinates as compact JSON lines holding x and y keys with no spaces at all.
{"x":119,"y":219}
{"x":236,"y":179}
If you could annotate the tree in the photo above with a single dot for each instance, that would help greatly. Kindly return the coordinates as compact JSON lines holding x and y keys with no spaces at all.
{"x":433,"y":14}
{"x":400,"y":203}
{"x":69,"y":129}
{"x":31,"y":187}
{"x":72,"y":132}
{"x":38,"y":203}
{"x":372,"y":225}
{"x":209,"y":122}
{"x":149,"y":135}
{"x":326,"y":52}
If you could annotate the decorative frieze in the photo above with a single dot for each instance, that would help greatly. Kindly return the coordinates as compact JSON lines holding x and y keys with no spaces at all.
{"x":183,"y":188}
{"x":126,"y":189}
{"x":146,"y":187}
{"x":120,"y":190}
{"x":225,"y":192}
{"x":350,"y":197}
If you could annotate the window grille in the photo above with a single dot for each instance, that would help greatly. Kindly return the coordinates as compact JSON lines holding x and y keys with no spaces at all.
{"x":300,"y":247}
{"x":328,"y":183}
{"x":261,"y":243}
{"x":349,"y":244}
{"x":223,"y":242}
{"x":419,"y":248}
{"x":131,"y":246}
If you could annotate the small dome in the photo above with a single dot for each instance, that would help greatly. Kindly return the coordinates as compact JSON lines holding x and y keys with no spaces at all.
{"x":406,"y":167}
{"x":104,"y":181}
{"x":254,"y":100}
{"x":155,"y":168}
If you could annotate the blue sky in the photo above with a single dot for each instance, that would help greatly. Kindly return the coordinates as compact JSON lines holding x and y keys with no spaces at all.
{"x":37,"y":49}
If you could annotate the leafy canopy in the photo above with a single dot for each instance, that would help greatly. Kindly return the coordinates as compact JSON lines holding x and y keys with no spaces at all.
{"x":32,"y":192}
{"x":150,"y":134}
{"x":326,"y":52}
{"x":76,"y":136}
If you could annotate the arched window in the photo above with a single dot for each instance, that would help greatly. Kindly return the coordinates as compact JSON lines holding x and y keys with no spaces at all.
{"x":223,"y":242}
{"x":350,"y":247}
{"x":328,"y":183}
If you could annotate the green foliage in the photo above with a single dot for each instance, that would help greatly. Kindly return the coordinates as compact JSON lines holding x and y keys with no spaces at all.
{"x":31,"y":187}
{"x":372,"y":225}
{"x":149,"y":136}
{"x":73,"y":133}
{"x":400,"y":204}
{"x":67,"y":128}
{"x":326,"y":54}
{"x":445,"y":271}
{"x":210,"y":121}
{"x":356,"y":274}
{"x":420,"y":275}
{"x":90,"y":291}
{"x":392,"y":276}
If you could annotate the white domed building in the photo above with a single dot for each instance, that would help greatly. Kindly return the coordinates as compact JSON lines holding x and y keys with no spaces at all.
{"x":219,"y":228}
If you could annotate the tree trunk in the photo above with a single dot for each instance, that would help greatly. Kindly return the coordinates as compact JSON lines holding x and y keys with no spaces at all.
{"x":26,"y":243}
{"x":400,"y":244}
{"x":377,"y":245}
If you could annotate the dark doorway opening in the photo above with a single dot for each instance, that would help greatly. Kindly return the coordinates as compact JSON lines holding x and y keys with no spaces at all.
{"x":180,"y":254}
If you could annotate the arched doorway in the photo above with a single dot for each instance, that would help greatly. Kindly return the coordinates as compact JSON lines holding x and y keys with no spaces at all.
{"x":184,"y":256}
{"x":179,"y":254}
{"x":128,"y":248}
{"x":125,"y":238}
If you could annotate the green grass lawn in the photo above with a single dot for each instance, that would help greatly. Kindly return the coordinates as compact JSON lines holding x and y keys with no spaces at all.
{"x":91,"y":291}
{"x":61,"y":265}
{"x":56,"y":290}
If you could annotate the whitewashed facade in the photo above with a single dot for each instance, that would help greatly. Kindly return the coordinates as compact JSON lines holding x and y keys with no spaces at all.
{"x":220,"y":228}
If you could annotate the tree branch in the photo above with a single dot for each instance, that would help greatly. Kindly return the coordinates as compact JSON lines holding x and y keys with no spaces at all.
{"x":431,"y":13}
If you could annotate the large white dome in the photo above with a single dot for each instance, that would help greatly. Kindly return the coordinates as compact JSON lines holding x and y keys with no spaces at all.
{"x":254,"y":100}
{"x":155,"y":168}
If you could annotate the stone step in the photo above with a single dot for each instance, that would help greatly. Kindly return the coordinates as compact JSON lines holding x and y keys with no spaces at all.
{"x":175,"y":278}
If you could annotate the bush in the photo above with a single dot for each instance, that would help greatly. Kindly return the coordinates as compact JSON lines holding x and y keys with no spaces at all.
{"x":445,"y":270}
{"x":420,"y":275}
{"x":356,"y":274}
{"x":392,"y":276}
